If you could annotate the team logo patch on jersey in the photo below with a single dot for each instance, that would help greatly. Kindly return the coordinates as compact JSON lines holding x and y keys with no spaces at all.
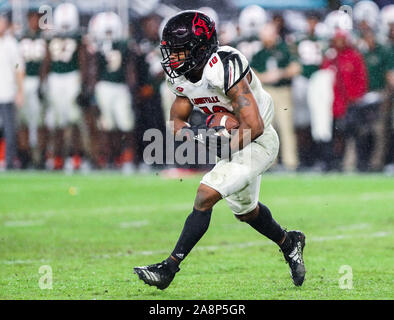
{"x":180,"y":89}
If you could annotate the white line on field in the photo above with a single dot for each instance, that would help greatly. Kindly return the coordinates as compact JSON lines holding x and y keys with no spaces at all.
{"x":187,"y":206}
{"x":333,"y":198}
{"x":133,"y":224}
{"x":359,"y":226}
{"x":143,"y":208}
{"x":24,"y":261}
{"x":379,"y":234}
{"x":24,"y":223}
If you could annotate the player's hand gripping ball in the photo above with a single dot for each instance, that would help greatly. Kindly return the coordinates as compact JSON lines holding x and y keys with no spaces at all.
{"x":223,"y":119}
{"x":222,"y":123}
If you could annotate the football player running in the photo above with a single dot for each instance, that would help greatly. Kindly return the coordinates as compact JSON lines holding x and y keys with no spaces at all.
{"x":197,"y":67}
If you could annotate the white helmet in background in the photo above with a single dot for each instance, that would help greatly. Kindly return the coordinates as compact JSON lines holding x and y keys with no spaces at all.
{"x":227,"y":33}
{"x":367,"y":11}
{"x":338,"y":20}
{"x":93,"y":28}
{"x":386,"y":18}
{"x":112,"y":24}
{"x":105,"y":26}
{"x":295,"y":20}
{"x":66,"y":18}
{"x":210,"y":13}
{"x":322,"y":30}
{"x":251,"y":20}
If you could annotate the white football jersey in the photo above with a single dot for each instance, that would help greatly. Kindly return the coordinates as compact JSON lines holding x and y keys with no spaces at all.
{"x":224,"y":69}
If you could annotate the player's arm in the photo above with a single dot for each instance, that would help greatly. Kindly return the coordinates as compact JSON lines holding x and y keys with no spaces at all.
{"x":247,"y":112}
{"x":83,"y":61}
{"x":87,"y":78}
{"x":180,"y":112}
{"x":273,"y":76}
{"x":45,"y":66}
{"x":19,"y":76}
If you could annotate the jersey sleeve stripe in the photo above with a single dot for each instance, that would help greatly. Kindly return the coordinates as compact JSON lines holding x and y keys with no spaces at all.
{"x":233,"y":69}
{"x":238,"y":80}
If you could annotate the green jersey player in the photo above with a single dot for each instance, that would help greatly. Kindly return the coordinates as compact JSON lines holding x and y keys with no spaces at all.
{"x":32,"y":133}
{"x":64,"y":66}
{"x":112,"y":92}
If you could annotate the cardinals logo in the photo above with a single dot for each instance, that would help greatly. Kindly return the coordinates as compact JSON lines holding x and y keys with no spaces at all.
{"x":200,"y":27}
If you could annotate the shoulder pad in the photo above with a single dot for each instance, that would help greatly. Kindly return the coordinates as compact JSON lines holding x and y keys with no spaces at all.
{"x":235,"y":66}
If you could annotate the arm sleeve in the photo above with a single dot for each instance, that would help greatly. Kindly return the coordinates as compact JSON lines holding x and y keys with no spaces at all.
{"x":16,"y":54}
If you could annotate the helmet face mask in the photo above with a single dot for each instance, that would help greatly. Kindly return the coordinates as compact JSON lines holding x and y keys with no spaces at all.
{"x":188,"y":40}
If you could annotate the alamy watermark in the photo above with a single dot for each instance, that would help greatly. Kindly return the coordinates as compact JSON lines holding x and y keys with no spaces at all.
{"x":45,"y":281}
{"x":346,"y":281}
{"x":187,"y":148}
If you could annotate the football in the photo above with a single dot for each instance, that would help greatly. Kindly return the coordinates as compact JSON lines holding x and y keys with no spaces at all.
{"x":223,"y":119}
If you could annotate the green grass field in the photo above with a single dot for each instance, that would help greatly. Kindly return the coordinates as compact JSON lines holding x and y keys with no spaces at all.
{"x":91,"y":230}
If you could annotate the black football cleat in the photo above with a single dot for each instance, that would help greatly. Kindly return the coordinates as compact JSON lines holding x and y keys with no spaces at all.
{"x":294,"y":257}
{"x":158,"y":275}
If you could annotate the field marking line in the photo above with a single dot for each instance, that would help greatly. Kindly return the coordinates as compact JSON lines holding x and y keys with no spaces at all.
{"x":133,"y":224}
{"x":19,"y":261}
{"x":146,"y":208}
{"x":277,"y":200}
{"x":23,"y":223}
{"x":378,"y":234}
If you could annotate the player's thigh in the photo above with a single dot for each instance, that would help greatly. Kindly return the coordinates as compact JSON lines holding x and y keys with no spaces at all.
{"x":238,"y":180}
{"x":72,"y":109}
{"x":206,"y":197}
{"x":30,"y":113}
{"x":54,"y":117}
{"x":104,"y":94}
{"x":245,"y":200}
{"x":122,"y":109}
{"x":229,"y":177}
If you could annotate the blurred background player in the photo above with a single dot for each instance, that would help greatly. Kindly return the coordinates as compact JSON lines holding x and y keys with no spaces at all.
{"x":149,"y":111}
{"x":251,"y":20}
{"x":309,"y":49}
{"x":275,"y":66}
{"x":12,"y":72}
{"x":32,"y":134}
{"x":65,"y":69}
{"x":114,"y":76}
{"x":347,"y":64}
{"x":370,"y":118}
{"x":389,"y":97}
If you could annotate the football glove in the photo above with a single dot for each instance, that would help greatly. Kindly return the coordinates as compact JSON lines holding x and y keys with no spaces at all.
{"x":219,"y":142}
{"x":210,"y":137}
{"x":191,"y":133}
{"x":40,"y":93}
{"x":83,"y":99}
